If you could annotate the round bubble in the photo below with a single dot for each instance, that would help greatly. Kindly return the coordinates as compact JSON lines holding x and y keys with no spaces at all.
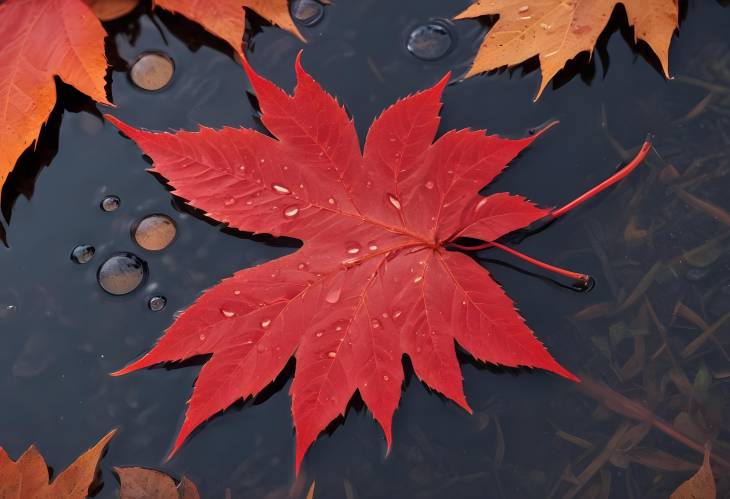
{"x":152,"y":71}
{"x":157,"y":303}
{"x":430,"y":41}
{"x":82,"y":253}
{"x":154,"y":232}
{"x":308,"y":12}
{"x":122,"y":273}
{"x":110,"y":203}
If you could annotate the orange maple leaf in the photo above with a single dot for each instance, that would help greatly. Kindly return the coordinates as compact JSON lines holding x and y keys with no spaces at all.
{"x":558,"y":30}
{"x":28,"y":476}
{"x":225,"y":18}
{"x":43,"y":39}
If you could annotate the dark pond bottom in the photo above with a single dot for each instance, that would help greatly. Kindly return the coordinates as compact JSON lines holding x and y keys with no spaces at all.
{"x":657,"y":250}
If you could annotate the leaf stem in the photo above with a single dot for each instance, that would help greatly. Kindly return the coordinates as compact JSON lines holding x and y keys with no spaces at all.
{"x":582,"y":279}
{"x":616,"y":177}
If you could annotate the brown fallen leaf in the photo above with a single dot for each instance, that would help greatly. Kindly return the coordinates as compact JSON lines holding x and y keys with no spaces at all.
{"x":28,"y":477}
{"x":144,"y":483}
{"x":701,"y":485}
{"x":558,"y":30}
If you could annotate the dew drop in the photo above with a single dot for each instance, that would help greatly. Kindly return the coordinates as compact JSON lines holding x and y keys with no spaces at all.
{"x":82,"y":253}
{"x":375,"y":323}
{"x":236,"y":292}
{"x":430,"y":185}
{"x":333,"y":295}
{"x":227,"y":313}
{"x":331,"y":355}
{"x":372,"y":246}
{"x":385,"y":377}
{"x":397,"y":314}
{"x":523,"y":9}
{"x":308,"y":12}
{"x":121,"y":273}
{"x":430,"y":41}
{"x":201,"y":337}
{"x":152,"y":71}
{"x":319,"y":334}
{"x":154,"y":232}
{"x":394,"y":201}
{"x":110,"y":203}
{"x":265,"y":323}
{"x":352,"y":248}
{"x":280,"y":189}
{"x":291,"y":211}
{"x":480,"y":204}
{"x":229,"y":202}
{"x":157,"y":303}
{"x":303,"y":266}
{"x":418,"y":279}
{"x":545,"y":26}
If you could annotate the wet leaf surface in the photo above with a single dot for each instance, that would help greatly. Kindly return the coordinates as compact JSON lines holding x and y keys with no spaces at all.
{"x":439,"y":451}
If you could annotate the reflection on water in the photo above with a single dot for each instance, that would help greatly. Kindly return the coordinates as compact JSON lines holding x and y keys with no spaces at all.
{"x":651,"y":338}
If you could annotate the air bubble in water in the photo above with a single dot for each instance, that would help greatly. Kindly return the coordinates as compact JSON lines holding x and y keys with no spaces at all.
{"x":121,"y":273}
{"x":157,"y":303}
{"x":110,"y":203}
{"x":430,"y":41}
{"x":154,"y":232}
{"x":82,"y":253}
{"x":308,"y":12}
{"x":152,"y":71}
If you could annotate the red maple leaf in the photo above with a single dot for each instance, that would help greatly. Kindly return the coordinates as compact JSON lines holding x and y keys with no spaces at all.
{"x":375,"y":278}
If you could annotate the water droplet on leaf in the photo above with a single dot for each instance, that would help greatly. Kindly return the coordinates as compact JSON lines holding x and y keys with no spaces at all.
{"x":394,"y":201}
{"x":291,"y":211}
{"x":280,"y":189}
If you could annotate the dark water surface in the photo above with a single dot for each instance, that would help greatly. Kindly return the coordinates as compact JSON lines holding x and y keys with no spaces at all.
{"x":532,"y":435}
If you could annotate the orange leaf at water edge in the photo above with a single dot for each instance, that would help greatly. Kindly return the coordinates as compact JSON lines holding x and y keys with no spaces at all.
{"x":701,"y":485}
{"x":143,"y":483}
{"x":27,"y":477}
{"x":225,"y":18}
{"x":558,"y":30}
{"x":108,"y":10}
{"x":42,"y":39}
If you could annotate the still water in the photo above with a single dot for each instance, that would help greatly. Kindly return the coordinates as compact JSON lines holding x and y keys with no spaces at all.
{"x":656,"y":245}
